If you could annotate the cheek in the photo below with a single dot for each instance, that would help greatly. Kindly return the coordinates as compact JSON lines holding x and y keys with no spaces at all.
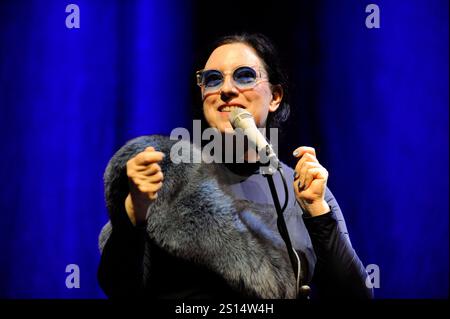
{"x":208,"y":104}
{"x":260,"y":101}
{"x":261,"y":95}
{"x":208,"y":107}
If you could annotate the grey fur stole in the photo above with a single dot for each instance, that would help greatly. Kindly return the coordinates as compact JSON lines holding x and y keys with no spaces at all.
{"x":196,"y":218}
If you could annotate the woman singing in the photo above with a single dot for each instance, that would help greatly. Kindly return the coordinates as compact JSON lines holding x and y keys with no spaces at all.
{"x":198,"y":230}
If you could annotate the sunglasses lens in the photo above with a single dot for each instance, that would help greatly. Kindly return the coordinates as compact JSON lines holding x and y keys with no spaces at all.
{"x":212,"y":79}
{"x":244,"y":76}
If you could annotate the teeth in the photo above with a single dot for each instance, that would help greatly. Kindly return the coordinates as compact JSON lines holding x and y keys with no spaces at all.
{"x":228,"y":108}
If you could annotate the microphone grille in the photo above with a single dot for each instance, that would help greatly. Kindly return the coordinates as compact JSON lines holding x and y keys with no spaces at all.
{"x":246,"y":116}
{"x":237,"y":115}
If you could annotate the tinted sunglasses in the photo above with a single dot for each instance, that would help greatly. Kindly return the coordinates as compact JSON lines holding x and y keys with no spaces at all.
{"x":243,"y":78}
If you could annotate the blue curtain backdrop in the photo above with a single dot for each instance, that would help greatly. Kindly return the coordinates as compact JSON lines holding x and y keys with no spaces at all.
{"x":383,"y":99}
{"x":70,"y":97}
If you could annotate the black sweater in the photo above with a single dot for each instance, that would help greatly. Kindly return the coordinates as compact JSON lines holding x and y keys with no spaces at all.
{"x":137,"y":263}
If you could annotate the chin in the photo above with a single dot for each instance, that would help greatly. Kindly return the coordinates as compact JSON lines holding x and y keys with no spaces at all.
{"x":225,"y":127}
{"x":221,"y":125}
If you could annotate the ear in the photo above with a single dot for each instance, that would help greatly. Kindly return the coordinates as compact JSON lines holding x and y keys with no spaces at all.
{"x":277,"y":96}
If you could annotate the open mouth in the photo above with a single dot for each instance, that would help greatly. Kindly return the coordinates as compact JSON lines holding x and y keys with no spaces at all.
{"x":229,"y":107}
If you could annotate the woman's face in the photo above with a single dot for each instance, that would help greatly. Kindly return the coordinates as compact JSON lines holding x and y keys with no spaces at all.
{"x":259,"y":101}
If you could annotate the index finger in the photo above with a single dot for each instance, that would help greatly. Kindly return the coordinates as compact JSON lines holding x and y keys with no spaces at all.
{"x":148,"y":157}
{"x":300,"y":151}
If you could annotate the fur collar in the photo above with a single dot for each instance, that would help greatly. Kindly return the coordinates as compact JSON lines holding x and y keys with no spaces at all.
{"x":196,"y":217}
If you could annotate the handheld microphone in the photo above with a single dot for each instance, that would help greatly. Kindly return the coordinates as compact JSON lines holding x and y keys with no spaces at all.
{"x":240,"y":118}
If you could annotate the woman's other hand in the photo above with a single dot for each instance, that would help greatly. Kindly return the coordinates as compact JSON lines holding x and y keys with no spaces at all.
{"x":310,"y":182}
{"x":145,"y":180}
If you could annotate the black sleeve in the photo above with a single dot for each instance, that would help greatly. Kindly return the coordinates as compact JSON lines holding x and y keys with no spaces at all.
{"x":124,"y":261}
{"x":338,"y":273}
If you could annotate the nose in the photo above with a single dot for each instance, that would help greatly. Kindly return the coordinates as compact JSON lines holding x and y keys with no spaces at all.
{"x":228,"y":90}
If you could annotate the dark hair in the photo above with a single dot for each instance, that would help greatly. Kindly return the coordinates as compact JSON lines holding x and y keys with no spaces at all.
{"x":267,"y":52}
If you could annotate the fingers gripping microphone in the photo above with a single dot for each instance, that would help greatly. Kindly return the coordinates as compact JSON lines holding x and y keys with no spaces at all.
{"x":240,"y":118}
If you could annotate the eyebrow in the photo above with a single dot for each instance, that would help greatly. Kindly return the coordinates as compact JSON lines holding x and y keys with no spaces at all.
{"x":236,"y":66}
